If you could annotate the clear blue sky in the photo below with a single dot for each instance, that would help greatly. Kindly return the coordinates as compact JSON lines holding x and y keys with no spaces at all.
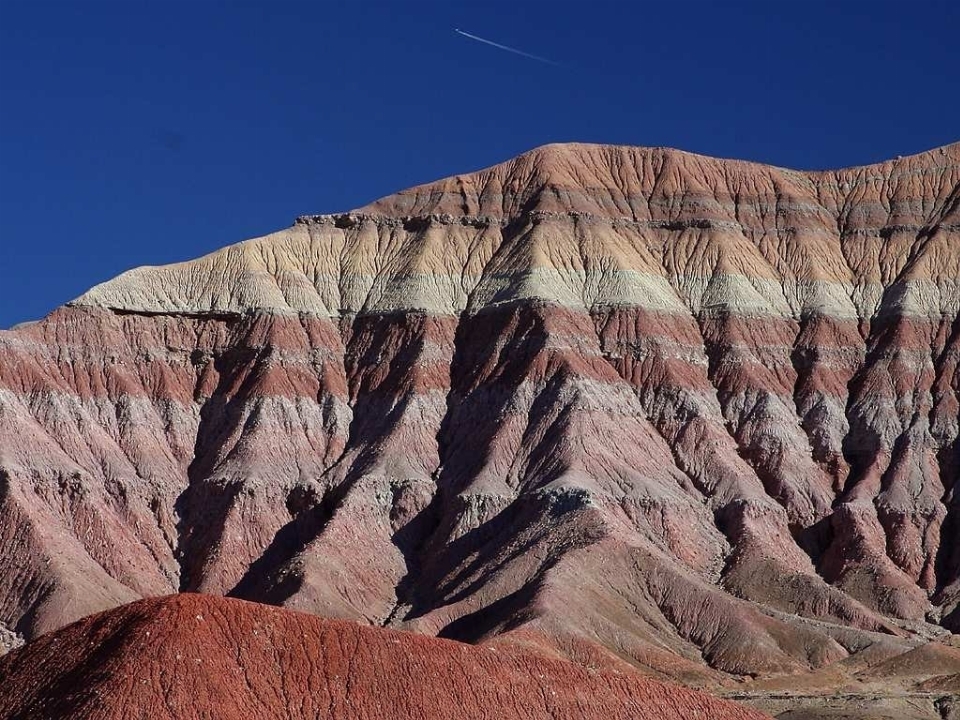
{"x":148,"y":132}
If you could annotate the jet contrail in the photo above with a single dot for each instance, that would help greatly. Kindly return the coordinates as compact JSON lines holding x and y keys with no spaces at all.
{"x":506,"y":47}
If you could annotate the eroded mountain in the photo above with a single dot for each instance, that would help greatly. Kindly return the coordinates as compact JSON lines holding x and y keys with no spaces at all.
{"x":634,"y":406}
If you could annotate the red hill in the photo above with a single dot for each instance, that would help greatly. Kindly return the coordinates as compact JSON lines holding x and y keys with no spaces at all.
{"x":197,"y":656}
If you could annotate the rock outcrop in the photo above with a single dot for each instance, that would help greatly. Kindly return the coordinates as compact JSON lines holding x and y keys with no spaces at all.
{"x":627,"y":405}
{"x":190,"y":657}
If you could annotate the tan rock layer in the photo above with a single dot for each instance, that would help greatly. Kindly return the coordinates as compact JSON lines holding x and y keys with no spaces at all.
{"x":596,"y":225}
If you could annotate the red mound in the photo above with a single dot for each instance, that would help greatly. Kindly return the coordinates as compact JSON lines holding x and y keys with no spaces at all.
{"x":196,"y":656}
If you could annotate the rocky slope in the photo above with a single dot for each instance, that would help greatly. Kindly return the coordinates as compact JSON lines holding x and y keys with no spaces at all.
{"x":194,"y":656}
{"x":626,"y":405}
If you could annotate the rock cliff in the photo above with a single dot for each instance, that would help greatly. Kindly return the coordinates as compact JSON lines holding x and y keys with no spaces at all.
{"x":631,"y":406}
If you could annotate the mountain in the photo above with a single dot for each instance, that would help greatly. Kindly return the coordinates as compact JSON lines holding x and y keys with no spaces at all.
{"x":630,"y":406}
{"x":193,"y":656}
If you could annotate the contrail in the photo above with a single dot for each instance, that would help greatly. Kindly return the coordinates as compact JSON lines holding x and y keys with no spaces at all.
{"x":506,"y":47}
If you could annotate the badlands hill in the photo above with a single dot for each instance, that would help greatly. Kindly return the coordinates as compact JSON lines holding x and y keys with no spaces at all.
{"x":192,"y":657}
{"x":633,"y":406}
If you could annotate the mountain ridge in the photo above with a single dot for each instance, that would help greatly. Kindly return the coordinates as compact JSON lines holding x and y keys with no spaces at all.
{"x":697,"y":415}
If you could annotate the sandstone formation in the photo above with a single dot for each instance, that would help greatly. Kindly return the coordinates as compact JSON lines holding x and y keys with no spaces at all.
{"x":191,"y":656}
{"x":628,"y":406}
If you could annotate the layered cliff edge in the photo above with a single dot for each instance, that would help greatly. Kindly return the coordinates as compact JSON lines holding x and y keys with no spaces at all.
{"x":693,"y":415}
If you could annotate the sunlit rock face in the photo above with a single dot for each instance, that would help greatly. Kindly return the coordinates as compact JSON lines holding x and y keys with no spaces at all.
{"x":632,"y":405}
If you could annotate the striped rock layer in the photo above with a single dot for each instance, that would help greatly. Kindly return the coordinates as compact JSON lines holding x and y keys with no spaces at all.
{"x":627,"y":405}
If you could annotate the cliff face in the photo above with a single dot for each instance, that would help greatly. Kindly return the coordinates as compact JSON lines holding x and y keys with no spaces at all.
{"x":628,"y":404}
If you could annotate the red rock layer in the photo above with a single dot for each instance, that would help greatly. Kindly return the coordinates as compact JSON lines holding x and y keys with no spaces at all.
{"x":194,"y":656}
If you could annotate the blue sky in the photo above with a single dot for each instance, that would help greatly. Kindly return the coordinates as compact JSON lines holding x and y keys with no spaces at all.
{"x":139,"y":133}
